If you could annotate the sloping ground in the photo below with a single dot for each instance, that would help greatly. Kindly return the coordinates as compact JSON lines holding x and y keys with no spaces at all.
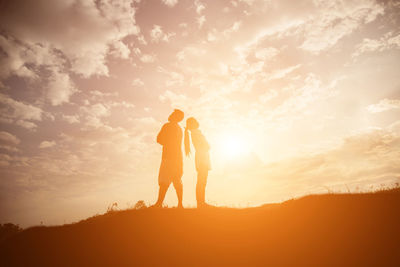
{"x":345,"y":229}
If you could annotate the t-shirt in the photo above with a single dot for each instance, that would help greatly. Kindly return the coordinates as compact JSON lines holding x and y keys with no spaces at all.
{"x":202,"y":157}
{"x":170,"y":137}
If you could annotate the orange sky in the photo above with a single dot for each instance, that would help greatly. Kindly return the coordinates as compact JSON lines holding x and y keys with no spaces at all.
{"x":295,"y":97}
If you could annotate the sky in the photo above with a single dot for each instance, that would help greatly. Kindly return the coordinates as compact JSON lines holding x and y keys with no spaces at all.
{"x":294,"y":97}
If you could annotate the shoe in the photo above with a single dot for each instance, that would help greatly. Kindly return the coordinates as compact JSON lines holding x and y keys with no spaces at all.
{"x":156,"y":206}
{"x":204,"y":205}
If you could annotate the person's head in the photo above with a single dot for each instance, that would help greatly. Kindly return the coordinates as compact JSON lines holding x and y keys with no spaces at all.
{"x":192,"y":123}
{"x":176,"y":116}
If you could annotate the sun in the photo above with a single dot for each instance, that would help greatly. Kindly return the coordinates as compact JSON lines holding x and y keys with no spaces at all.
{"x":232,"y":145}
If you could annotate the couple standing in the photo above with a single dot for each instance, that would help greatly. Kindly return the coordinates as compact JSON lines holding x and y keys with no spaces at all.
{"x":171,"y":169}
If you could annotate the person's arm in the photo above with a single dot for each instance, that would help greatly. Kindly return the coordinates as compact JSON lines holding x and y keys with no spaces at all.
{"x":161,"y":135}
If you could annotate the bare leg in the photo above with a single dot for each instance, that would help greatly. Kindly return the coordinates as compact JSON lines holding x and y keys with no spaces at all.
{"x":161,"y":195}
{"x":179,"y":193}
{"x":201,"y":187}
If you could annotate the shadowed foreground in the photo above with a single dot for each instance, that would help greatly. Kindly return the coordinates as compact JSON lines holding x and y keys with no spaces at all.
{"x":345,"y":229}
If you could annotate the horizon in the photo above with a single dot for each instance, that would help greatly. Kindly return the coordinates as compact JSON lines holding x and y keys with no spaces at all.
{"x":293,"y":97}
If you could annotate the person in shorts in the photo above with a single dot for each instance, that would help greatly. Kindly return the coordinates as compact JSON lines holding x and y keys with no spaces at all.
{"x":171,"y":168}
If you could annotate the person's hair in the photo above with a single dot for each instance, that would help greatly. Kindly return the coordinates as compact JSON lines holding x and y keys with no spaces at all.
{"x":191,"y":124}
{"x":176,"y":116}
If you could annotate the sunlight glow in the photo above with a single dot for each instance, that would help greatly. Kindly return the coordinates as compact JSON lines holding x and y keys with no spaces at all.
{"x":232,"y":145}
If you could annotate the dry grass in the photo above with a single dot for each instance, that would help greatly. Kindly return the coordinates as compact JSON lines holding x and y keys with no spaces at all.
{"x":334,"y":229}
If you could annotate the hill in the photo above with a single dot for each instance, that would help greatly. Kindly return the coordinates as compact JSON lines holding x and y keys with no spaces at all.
{"x":332,"y":229}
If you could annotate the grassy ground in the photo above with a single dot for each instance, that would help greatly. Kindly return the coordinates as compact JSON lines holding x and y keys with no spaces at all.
{"x":332,"y":229}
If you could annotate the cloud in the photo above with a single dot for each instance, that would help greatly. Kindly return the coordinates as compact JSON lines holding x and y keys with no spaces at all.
{"x":137,"y":82}
{"x":384,"y":105}
{"x":9,"y":148}
{"x":47,"y":144}
{"x":147,"y":58}
{"x":177,"y":100}
{"x":71,"y":118}
{"x":170,"y":3}
{"x":9,"y":138}
{"x":361,"y":161}
{"x":85,"y":40}
{"x":19,"y":112}
{"x":157,"y":35}
{"x":94,"y":114}
{"x":175,"y":78}
{"x":26,"y":124}
{"x":120,"y":50}
{"x":266,"y":53}
{"x":302,"y":99}
{"x":279,"y":74}
{"x":200,"y":21}
{"x":14,"y":61}
{"x":386,"y":42}
{"x":79,"y":39}
{"x":335,"y":21}
{"x":122,"y":104}
{"x":60,"y":88}
{"x":270,"y":94}
{"x":199,"y":6}
{"x":214,"y":35}
{"x":97,"y":110}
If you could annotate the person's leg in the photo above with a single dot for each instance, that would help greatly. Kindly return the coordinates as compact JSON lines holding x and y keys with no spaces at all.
{"x":179,"y":191}
{"x":161,"y":194}
{"x":201,"y":187}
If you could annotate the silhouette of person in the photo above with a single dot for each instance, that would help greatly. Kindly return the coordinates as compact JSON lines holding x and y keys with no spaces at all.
{"x":202,"y":157}
{"x":171,"y":168}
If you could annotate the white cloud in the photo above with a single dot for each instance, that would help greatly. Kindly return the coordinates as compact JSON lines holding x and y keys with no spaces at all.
{"x":170,"y":3}
{"x":200,"y":21}
{"x":175,"y":78}
{"x":120,"y":50}
{"x":147,"y":58}
{"x":384,"y":105}
{"x":60,"y":88}
{"x":303,"y":98}
{"x":137,"y":82}
{"x":47,"y":144}
{"x":158,"y":35}
{"x":199,"y":6}
{"x":270,"y":94}
{"x":95,"y":113}
{"x":9,"y":148}
{"x":215,"y":35}
{"x":80,"y":32}
{"x":71,"y":118}
{"x":19,"y":112}
{"x":177,"y":100}
{"x":10,"y":138}
{"x":142,"y":40}
{"x":386,"y":42}
{"x":335,"y":21}
{"x":281,"y":73}
{"x":123,"y":104}
{"x":97,"y":110}
{"x":26,"y":124}
{"x":266,"y":53}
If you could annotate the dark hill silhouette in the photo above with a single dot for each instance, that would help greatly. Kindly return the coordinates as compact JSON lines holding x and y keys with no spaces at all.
{"x":332,"y":229}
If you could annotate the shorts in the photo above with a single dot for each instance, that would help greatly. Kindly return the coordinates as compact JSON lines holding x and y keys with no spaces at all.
{"x":170,"y":172}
